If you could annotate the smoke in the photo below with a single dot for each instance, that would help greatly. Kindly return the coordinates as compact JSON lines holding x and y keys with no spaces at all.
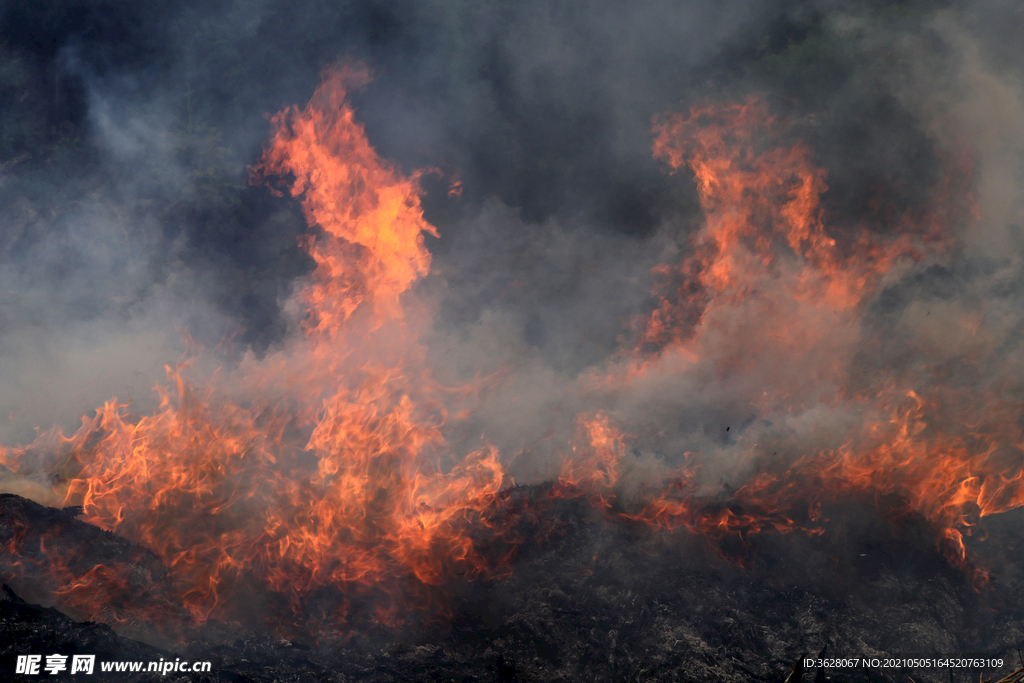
{"x":128,"y":218}
{"x":895,"y":100}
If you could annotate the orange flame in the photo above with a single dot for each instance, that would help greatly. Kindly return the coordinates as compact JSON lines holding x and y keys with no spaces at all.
{"x":596,"y":456}
{"x":764,"y":246}
{"x":370,"y":214}
{"x":765,"y":270}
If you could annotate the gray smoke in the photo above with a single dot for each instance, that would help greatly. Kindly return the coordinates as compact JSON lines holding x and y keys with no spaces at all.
{"x":127,"y":219}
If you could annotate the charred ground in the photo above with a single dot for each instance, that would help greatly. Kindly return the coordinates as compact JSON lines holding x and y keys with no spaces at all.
{"x":598,"y":601}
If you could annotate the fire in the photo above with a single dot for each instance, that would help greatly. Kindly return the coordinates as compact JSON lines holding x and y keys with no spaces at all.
{"x":595,"y":456}
{"x":764,"y":263}
{"x":767,"y":282}
{"x":322,"y":479}
{"x":951,"y":477}
{"x":330,"y":475}
{"x":370,"y":214}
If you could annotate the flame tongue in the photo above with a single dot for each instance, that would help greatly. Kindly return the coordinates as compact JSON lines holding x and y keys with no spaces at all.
{"x":370,"y":510}
{"x":764,"y":265}
{"x":768,"y":292}
{"x":372,"y":250}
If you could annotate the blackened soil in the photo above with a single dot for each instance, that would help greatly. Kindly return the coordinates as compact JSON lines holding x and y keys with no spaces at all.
{"x":592,"y":599}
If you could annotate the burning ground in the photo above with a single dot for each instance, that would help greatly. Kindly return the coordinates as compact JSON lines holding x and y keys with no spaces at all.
{"x":761,"y":399}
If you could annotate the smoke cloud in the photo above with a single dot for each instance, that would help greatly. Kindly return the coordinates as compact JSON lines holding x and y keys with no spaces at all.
{"x":128,"y":218}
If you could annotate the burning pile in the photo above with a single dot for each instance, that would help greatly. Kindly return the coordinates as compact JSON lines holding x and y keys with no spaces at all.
{"x":324,"y":479}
